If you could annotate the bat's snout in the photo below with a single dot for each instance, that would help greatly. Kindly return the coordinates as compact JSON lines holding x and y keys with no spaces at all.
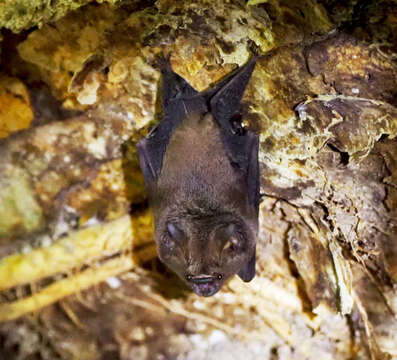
{"x":205,"y":285}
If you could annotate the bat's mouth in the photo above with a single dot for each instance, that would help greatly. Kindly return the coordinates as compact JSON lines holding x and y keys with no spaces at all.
{"x":205,"y":285}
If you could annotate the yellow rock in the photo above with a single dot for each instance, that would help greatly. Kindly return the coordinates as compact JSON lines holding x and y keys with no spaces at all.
{"x":15,"y":111}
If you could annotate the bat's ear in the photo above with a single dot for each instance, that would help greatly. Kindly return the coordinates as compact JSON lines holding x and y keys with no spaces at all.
{"x":173,"y":86}
{"x":147,"y":162}
{"x":247,"y":273}
{"x":226,"y":102}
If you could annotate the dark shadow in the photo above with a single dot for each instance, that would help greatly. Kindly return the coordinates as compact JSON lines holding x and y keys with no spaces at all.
{"x":167,"y":283}
{"x":46,"y":108}
{"x":302,"y":292}
{"x":344,"y":156}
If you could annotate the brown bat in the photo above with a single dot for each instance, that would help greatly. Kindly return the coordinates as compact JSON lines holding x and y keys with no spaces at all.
{"x":201,"y":172}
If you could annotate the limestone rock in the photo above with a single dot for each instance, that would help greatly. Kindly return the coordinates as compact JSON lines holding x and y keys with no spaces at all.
{"x":76,"y":237}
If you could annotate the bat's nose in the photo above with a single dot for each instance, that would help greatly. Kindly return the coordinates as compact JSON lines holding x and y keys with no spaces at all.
{"x":205,"y":285}
{"x":203,"y":279}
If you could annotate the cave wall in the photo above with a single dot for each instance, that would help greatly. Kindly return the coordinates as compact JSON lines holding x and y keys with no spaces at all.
{"x":79,"y":277}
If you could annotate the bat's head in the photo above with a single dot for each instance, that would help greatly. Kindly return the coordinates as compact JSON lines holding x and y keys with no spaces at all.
{"x":205,"y":252}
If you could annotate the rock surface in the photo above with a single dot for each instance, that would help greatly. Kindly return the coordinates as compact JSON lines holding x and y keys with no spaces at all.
{"x":79,"y":277}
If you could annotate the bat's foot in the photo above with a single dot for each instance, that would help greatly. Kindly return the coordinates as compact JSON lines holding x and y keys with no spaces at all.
{"x":162,"y":62}
{"x":237,"y":125}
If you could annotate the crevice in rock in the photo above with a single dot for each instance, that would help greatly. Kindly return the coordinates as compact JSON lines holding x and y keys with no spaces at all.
{"x":344,"y":156}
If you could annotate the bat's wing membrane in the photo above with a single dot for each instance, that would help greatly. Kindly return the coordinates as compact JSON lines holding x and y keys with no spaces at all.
{"x":247,"y":273}
{"x":179,"y":100}
{"x":241,"y":147}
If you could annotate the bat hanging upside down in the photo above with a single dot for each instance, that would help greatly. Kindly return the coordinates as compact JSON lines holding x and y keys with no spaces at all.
{"x":201,"y":172}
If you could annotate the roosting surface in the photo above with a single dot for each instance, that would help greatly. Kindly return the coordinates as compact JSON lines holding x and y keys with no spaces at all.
{"x":79,"y":88}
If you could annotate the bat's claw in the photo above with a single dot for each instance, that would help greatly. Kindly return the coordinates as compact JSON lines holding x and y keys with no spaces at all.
{"x":237,"y":125}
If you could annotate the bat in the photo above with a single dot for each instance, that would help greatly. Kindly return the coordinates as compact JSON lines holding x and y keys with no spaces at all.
{"x":201,"y":172}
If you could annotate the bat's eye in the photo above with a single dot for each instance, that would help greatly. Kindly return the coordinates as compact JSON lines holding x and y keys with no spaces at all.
{"x":172,"y":237}
{"x":231,"y":238}
{"x":233,"y":244}
{"x":174,"y":232}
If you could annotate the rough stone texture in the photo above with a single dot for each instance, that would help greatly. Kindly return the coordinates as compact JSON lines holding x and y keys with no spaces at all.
{"x":322,"y":97}
{"x":18,"y":15}
{"x":16,"y":112}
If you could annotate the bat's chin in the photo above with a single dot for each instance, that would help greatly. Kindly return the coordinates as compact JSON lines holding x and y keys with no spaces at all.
{"x":205,"y":285}
{"x":206,"y":289}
